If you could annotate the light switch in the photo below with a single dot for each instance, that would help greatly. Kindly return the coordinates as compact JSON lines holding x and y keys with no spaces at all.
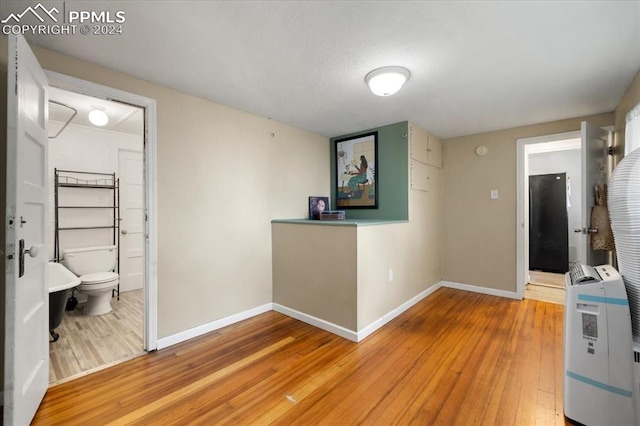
{"x":494,"y":194}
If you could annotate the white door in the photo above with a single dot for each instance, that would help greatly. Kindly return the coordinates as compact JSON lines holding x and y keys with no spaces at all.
{"x":595,"y":146}
{"x":132,"y":239}
{"x":26,"y":374}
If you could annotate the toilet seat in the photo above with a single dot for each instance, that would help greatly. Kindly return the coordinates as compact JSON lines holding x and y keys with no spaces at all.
{"x":98,"y":278}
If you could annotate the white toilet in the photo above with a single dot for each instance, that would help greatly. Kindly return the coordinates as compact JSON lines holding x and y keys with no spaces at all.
{"x":94,"y":266}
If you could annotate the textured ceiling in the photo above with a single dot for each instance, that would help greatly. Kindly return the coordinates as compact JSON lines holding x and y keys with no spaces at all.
{"x":476,"y":66}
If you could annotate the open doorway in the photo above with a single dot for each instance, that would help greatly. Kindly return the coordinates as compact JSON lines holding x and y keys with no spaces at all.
{"x":125,"y":148}
{"x":29,"y":267}
{"x":96,"y":200}
{"x":595,"y":164}
{"x":549,"y":208}
{"x":554,"y":211}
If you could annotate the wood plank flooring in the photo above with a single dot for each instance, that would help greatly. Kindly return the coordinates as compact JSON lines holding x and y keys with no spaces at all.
{"x":456,"y":358}
{"x":546,"y":278}
{"x":90,"y":342}
{"x":544,"y":293}
{"x":545,"y":287}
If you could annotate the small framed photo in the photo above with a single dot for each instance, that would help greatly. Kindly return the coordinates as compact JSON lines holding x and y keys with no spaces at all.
{"x":318,"y":205}
{"x":356,"y":161}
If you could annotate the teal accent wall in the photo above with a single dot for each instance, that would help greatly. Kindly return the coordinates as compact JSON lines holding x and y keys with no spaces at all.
{"x":392,"y":173}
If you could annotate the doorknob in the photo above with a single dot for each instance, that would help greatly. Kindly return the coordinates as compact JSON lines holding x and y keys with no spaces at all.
{"x":32,"y":251}
{"x":20,"y":258}
{"x":123,"y":232}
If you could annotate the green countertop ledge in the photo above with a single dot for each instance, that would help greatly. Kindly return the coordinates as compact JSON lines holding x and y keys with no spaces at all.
{"x":346,"y":222}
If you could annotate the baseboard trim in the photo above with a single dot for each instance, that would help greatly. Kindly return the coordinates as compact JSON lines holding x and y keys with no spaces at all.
{"x":365,"y":332}
{"x":371,"y":328}
{"x":317,"y":322}
{"x":483,"y":290}
{"x":326,"y":325}
{"x":214,"y":325}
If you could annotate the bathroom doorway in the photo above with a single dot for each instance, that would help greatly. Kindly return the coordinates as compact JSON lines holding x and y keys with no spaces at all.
{"x":81,"y":217}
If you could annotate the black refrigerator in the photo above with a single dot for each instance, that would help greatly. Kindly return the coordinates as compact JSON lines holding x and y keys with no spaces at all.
{"x":548,"y":223}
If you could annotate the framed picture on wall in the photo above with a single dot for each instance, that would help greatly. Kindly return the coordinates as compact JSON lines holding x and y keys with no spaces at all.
{"x":318,"y":205}
{"x":356,"y":160}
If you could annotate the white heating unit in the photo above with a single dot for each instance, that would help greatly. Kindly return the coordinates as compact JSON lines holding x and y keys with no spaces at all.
{"x":602,"y":372}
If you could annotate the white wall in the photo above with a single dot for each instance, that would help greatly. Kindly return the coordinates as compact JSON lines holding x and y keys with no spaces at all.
{"x":564,"y":162}
{"x":85,"y":149}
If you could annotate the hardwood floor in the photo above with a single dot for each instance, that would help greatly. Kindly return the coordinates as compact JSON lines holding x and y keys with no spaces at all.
{"x":90,"y":342}
{"x":455,"y":358}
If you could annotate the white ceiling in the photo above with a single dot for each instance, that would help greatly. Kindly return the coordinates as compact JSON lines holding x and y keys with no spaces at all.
{"x":123,"y":118}
{"x":476,"y":66}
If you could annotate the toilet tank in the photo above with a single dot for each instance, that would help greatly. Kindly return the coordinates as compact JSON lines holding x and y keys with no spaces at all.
{"x":87,"y":260}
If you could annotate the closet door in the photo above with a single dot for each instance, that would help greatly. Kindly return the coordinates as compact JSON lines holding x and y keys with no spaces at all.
{"x":548,"y":223}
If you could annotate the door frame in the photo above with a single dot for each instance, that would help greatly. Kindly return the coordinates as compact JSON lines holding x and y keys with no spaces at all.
{"x":522,"y":200}
{"x":150,"y":287}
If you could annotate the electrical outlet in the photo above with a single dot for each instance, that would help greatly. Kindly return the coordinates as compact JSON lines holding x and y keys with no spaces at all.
{"x":390,"y":275}
{"x":494,"y":194}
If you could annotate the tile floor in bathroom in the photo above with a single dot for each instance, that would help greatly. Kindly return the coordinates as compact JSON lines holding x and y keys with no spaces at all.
{"x":91,"y":342}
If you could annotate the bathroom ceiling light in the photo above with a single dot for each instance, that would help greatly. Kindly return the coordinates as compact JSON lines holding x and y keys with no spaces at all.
{"x":99,"y":118}
{"x":386,"y":81}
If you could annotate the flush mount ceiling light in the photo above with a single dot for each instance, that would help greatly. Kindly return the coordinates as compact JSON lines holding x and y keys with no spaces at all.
{"x":386,"y":81}
{"x":98,"y":117}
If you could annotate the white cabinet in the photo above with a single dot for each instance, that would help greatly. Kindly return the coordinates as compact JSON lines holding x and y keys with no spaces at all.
{"x":425,"y":147}
{"x":419,"y":176}
{"x":434,"y":152}
{"x":419,"y":144}
{"x":423,"y":176}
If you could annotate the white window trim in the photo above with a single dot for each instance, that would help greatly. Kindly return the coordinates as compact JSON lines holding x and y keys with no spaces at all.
{"x":632,"y":130}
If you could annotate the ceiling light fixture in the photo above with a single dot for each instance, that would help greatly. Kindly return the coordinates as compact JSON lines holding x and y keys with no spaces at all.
{"x":386,"y":81}
{"x":98,"y":117}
